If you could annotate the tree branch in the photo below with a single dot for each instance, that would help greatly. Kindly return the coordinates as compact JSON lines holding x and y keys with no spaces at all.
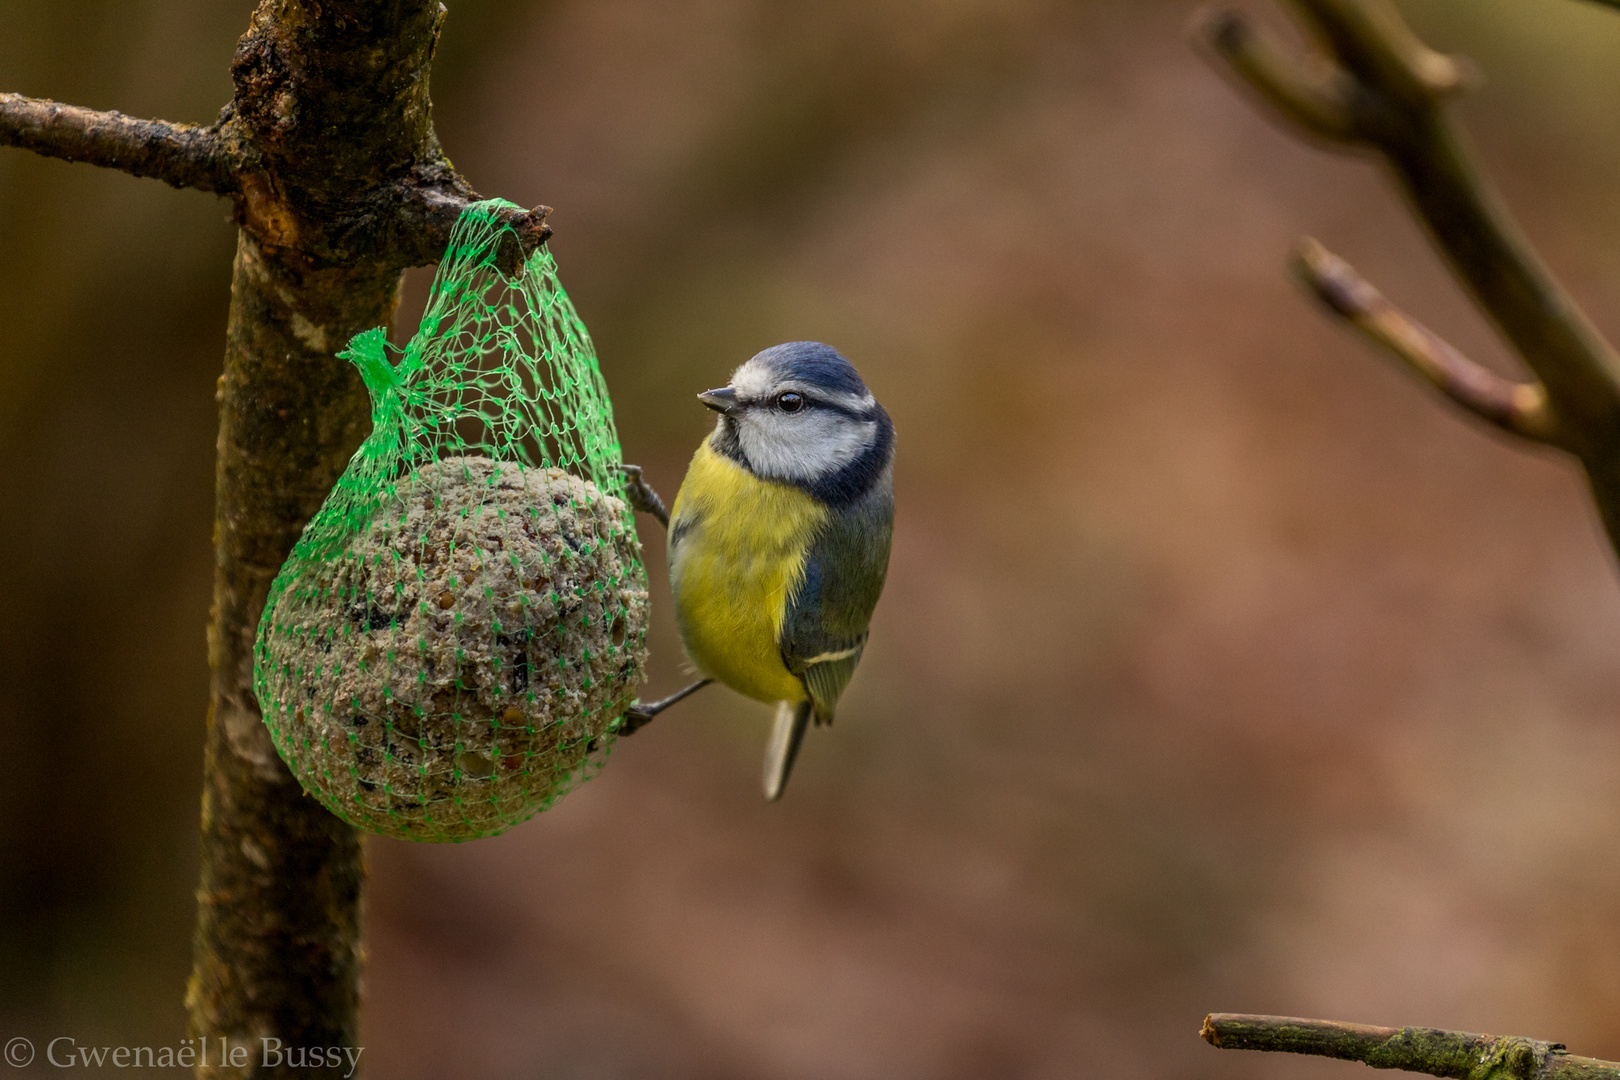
{"x":399,"y":220}
{"x":1316,"y":96}
{"x":1381,"y":53}
{"x":1457,"y":1054}
{"x":181,"y":155}
{"x":1518,"y":408}
{"x":1382,"y":89}
{"x":328,"y":151}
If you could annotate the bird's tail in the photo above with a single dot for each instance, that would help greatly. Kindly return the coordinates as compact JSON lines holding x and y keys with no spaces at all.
{"x":791,"y":720}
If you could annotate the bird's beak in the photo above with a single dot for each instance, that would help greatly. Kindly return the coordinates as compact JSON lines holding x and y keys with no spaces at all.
{"x":723,"y":400}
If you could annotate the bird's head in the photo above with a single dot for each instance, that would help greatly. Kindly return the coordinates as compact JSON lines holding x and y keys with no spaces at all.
{"x":798,"y":413}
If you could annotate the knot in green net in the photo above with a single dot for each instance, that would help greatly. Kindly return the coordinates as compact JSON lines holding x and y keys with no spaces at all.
{"x":451,"y":643}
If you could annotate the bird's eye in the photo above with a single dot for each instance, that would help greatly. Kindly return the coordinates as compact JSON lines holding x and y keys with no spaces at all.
{"x":790,"y":402}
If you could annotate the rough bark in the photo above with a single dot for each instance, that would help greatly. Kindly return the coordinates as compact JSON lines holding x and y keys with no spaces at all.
{"x":331,"y":122}
{"x":1461,"y":1055}
{"x":181,"y":155}
{"x":277,"y":951}
{"x":328,"y":152}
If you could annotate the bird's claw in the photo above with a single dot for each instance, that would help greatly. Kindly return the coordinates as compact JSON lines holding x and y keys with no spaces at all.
{"x":635,"y":716}
{"x":642,"y":497}
{"x":639,"y":712}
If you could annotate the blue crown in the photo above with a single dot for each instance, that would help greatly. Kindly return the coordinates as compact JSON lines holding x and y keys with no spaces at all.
{"x":813,"y":363}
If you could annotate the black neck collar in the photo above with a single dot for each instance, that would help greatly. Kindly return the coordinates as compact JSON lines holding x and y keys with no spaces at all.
{"x":837,"y":489}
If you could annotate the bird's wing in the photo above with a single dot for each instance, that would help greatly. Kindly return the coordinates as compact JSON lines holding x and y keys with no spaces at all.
{"x":824,"y":624}
{"x":819,"y":645}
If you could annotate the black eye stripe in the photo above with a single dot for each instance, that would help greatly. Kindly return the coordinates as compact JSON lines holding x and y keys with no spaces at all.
{"x":866,"y":414}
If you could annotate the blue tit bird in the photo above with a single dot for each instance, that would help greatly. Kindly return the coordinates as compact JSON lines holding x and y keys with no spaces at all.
{"x":779,"y":537}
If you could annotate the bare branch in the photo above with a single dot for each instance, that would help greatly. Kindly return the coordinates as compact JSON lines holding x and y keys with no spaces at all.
{"x":1395,"y":89}
{"x":1392,"y":89}
{"x":1378,"y":49}
{"x":1313,"y":94}
{"x":1519,"y":408}
{"x":398,"y":220}
{"x":181,"y":155}
{"x":1457,"y":1054}
{"x":401,"y":221}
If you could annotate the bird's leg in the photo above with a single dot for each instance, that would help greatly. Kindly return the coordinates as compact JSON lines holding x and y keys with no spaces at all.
{"x":642,"y":497}
{"x":641,"y":712}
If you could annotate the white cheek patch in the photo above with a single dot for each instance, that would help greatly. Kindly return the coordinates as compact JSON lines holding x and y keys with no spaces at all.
{"x":801,"y":447}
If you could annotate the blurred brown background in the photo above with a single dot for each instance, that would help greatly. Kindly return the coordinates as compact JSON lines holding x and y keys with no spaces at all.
{"x":1220,"y":668}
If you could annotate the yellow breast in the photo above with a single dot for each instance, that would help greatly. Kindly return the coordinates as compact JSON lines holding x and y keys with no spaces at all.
{"x":737,"y":550}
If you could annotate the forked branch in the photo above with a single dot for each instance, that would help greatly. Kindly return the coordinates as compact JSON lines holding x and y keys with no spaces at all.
{"x":1458,"y":1054}
{"x":1377,"y":87}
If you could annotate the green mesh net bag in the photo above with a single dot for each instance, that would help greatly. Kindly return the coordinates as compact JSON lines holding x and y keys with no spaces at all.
{"x":451,"y":643}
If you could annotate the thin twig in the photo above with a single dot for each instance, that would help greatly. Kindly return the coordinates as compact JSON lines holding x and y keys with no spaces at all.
{"x":1314,"y":96}
{"x":1458,"y":1054}
{"x":1391,"y":88}
{"x":1519,"y":408}
{"x":1380,"y":88}
{"x":1371,"y":41}
{"x":181,"y":155}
